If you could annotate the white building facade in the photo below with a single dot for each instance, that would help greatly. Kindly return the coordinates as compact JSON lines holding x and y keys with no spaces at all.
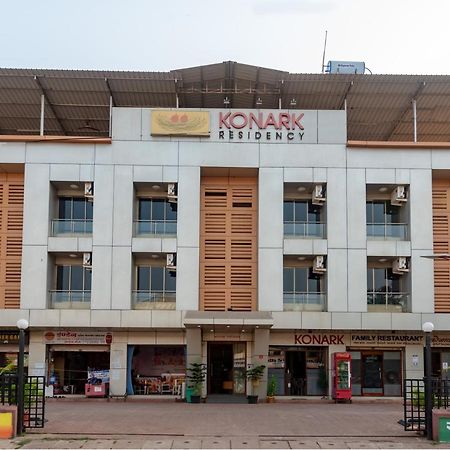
{"x":285,"y":246}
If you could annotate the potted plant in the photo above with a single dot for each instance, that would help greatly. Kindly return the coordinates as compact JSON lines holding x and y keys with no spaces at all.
{"x":271,"y":389}
{"x":196,"y":376}
{"x":254,"y":374}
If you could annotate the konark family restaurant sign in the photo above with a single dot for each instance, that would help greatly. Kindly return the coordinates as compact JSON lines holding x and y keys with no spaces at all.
{"x":385,"y":340}
{"x":77,"y":337}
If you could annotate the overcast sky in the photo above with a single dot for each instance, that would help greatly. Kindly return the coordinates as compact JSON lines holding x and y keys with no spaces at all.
{"x":390,"y":36}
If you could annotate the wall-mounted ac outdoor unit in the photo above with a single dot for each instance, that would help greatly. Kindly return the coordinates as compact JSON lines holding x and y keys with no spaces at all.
{"x":172,"y":192}
{"x":319,"y":195}
{"x":319,"y":264}
{"x":89,"y":190}
{"x":400,"y":265}
{"x":171,"y":261}
{"x":87,"y":260}
{"x":399,"y":196}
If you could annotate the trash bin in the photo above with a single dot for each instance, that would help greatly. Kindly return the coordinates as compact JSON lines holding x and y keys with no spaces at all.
{"x":444,"y":429}
{"x":188,"y":394}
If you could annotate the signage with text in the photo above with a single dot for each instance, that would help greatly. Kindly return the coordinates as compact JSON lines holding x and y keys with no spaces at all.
{"x":385,"y":340}
{"x":77,"y":337}
{"x":180,"y":123}
{"x":319,"y":339}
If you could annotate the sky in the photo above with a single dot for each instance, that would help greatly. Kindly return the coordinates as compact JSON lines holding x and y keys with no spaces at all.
{"x":390,"y":36}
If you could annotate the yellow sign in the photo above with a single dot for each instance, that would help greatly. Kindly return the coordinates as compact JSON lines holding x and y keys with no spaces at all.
{"x":6,"y":425}
{"x":180,"y":123}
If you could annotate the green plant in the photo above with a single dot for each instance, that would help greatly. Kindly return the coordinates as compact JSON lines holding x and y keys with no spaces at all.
{"x":255,"y":373}
{"x":272,"y":386}
{"x":196,"y":377}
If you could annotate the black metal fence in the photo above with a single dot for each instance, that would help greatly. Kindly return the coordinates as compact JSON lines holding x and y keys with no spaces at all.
{"x":34,"y":398}
{"x":414,"y":401}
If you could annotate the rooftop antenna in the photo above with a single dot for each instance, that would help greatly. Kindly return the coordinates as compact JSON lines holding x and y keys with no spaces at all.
{"x":324,"y":49}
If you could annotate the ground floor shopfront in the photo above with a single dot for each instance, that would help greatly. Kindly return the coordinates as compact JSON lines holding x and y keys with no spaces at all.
{"x":154,"y":362}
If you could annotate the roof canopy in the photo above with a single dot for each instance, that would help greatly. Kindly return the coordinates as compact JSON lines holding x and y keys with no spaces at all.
{"x":77,"y":103}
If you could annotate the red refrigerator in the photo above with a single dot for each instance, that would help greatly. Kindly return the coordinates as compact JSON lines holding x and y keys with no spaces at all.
{"x":342,"y":385}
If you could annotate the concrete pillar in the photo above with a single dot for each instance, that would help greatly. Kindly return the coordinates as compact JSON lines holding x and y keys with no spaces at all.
{"x":36,"y":355}
{"x":118,"y":364}
{"x":194,"y":351}
{"x":414,"y":364}
{"x":260,"y":353}
{"x":332,"y":349}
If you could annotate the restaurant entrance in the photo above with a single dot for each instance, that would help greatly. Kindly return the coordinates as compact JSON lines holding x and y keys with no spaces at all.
{"x":226,"y":368}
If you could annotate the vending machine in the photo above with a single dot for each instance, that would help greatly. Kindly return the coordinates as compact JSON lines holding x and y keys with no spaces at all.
{"x":342,"y":385}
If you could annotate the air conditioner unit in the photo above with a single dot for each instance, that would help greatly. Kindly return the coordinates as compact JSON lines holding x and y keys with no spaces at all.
{"x":319,"y":264}
{"x":87,"y":260}
{"x":400,"y":265}
{"x":172,"y":192}
{"x":89,"y":190}
{"x":399,"y":196}
{"x":171,"y":261}
{"x":318,"y":195}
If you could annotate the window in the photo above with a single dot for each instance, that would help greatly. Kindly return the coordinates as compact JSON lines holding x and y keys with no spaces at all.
{"x":73,"y":287}
{"x":155,"y":285}
{"x":302,"y":218}
{"x":156,"y":216}
{"x":384,"y":290}
{"x":384,"y":220}
{"x":302,"y":287}
{"x":74,"y":216}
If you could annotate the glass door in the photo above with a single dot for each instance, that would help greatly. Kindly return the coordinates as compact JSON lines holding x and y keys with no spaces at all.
{"x":372,"y":373}
{"x":239,"y":357}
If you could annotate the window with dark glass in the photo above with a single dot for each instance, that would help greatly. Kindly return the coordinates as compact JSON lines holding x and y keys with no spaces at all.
{"x":156,"y":279}
{"x":301,"y":211}
{"x":157,"y":209}
{"x":75,"y":208}
{"x":73,"y":278}
{"x":300,"y":280}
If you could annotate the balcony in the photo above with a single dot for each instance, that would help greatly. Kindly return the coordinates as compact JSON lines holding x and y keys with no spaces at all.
{"x":67,"y":227}
{"x":397,"y":231}
{"x":153,"y":299}
{"x":304,"y":301}
{"x":387,"y":301}
{"x":70,"y":299}
{"x":305,"y":229}
{"x":155,"y":227}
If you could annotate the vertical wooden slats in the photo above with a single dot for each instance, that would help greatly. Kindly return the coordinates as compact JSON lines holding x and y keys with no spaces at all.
{"x":11,"y":223}
{"x":441,"y":237}
{"x":228,"y":253}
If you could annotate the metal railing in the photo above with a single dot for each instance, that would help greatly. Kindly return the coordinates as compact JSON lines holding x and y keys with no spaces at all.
{"x":305,"y":229}
{"x":388,"y":231}
{"x":304,"y":301}
{"x":68,"y":226}
{"x":34,"y":397}
{"x":387,"y":301}
{"x":70,"y":299}
{"x":155,"y":227}
{"x":153,"y":299}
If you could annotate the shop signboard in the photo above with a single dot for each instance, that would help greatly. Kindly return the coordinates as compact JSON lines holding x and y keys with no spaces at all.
{"x":385,"y":340}
{"x":180,"y":123}
{"x":77,"y":337}
{"x":9,"y":336}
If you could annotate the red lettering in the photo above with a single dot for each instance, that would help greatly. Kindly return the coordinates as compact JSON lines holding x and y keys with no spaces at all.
{"x":236,"y":124}
{"x":285,"y":120}
{"x":333,"y":339}
{"x":325,"y":340}
{"x":340,"y":339}
{"x":223,"y":120}
{"x":304,"y":339}
{"x":270,"y":121}
{"x":257,"y":121}
{"x":296,"y":121}
{"x":316,"y":339}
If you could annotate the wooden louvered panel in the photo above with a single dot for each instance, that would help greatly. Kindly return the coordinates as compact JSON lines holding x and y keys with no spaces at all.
{"x":228,"y":252}
{"x":441,"y":237}
{"x":11,"y":223}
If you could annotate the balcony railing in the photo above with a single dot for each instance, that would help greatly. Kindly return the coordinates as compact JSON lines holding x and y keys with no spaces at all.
{"x":153,"y":299}
{"x":70,"y":299}
{"x":305,"y":229}
{"x":68,"y":226}
{"x":387,"y":301}
{"x":304,"y":301}
{"x":387,"y":231}
{"x":155,"y":227}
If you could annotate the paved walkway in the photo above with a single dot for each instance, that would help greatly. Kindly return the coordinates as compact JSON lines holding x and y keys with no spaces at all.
{"x":99,"y":424}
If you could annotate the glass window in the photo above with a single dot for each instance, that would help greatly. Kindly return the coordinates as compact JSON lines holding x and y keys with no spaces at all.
{"x":171,"y":211}
{"x":383,"y":280}
{"x":156,"y":278}
{"x":288,"y":211}
{"x":65,"y":208}
{"x":143,"y":279}
{"x":73,"y":278}
{"x":288,"y":279}
{"x":300,"y":280}
{"x":171,"y":280}
{"x":145,"y":209}
{"x":313,"y":282}
{"x":63,"y":278}
{"x":74,"y":208}
{"x":301,"y":211}
{"x":382,"y":212}
{"x":158,"y":207}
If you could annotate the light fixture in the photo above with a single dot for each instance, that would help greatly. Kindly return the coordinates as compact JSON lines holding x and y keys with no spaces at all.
{"x":259,"y":101}
{"x":72,"y":255}
{"x":156,"y":187}
{"x":155,"y":256}
{"x":226,"y":101}
{"x":428,"y":327}
{"x":199,"y":326}
{"x":301,"y":189}
{"x":382,"y":260}
{"x":383,"y":189}
{"x":242,"y":331}
{"x":301,"y":258}
{"x":257,"y":326}
{"x":228,"y":326}
{"x":212,"y":331}
{"x":74,"y":186}
{"x":22,"y":324}
{"x":293,"y":102}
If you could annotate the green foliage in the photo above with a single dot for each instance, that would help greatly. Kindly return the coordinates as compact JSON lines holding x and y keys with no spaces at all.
{"x":9,"y":368}
{"x":272,"y":386}
{"x":197,"y":377}
{"x":255,"y":373}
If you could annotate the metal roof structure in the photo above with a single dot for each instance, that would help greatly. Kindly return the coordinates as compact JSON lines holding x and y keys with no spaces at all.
{"x":77,"y":103}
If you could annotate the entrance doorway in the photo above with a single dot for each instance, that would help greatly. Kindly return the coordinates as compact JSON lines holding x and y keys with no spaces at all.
{"x":372,"y":373}
{"x":226,"y":368}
